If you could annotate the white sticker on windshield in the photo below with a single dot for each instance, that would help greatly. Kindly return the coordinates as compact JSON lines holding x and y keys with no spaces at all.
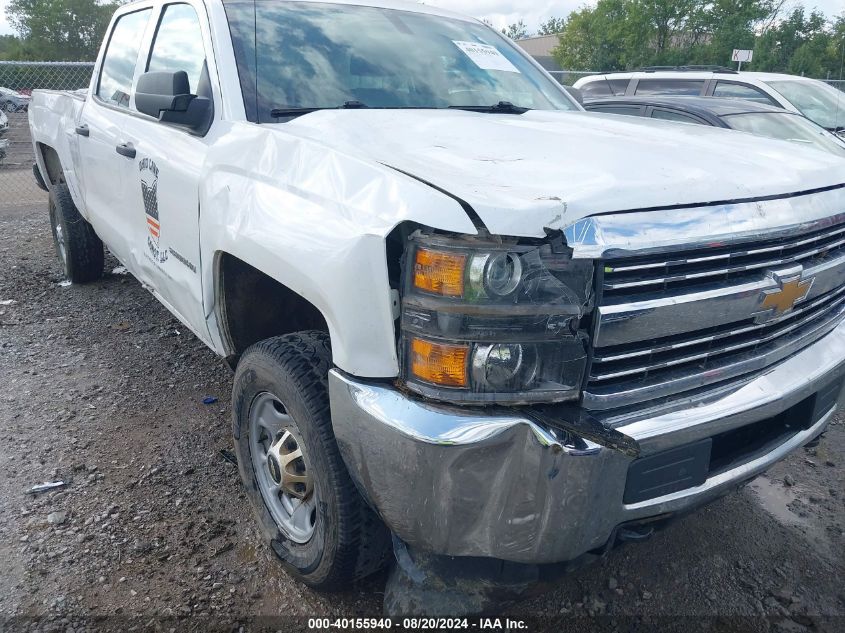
{"x":486,"y":57}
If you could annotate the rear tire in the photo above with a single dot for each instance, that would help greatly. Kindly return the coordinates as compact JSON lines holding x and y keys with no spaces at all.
{"x":79,"y":249}
{"x":344,"y":540}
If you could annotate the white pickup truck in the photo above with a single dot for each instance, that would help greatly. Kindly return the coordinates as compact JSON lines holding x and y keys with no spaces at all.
{"x":469,"y":321}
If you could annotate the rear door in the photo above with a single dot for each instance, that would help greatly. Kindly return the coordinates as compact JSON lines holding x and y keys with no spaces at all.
{"x":162,"y":180}
{"x":99,"y":127}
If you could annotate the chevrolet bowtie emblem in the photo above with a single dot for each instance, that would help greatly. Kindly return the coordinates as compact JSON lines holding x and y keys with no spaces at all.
{"x":793,"y":289}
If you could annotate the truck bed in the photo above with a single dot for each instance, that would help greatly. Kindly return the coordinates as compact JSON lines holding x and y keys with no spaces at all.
{"x":53,"y":116}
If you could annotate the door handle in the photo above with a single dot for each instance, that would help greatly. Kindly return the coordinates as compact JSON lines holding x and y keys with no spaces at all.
{"x":83,"y":130}
{"x":126,"y":149}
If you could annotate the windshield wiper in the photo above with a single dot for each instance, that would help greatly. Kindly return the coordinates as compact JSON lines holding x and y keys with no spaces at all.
{"x":503,"y":107}
{"x":283,"y":112}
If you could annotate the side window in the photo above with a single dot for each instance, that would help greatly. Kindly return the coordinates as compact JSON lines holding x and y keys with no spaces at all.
{"x":690,"y":87}
{"x":742,"y":91}
{"x":617,"y":109}
{"x":115,"y":83}
{"x":178,"y":44}
{"x":672,"y":115}
{"x":596,"y":89}
{"x":605,"y":88}
{"x":618,"y":86}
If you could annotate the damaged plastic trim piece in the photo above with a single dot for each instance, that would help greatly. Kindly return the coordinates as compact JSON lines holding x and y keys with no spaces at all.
{"x":581,"y":424}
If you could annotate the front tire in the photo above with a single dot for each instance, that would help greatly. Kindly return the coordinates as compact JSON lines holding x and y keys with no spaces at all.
{"x":308,"y":509}
{"x":79,"y":249}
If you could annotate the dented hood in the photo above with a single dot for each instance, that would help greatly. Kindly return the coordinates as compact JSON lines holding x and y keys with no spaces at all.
{"x":521,"y":173}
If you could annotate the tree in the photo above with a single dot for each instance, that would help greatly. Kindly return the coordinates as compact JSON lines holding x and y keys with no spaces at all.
{"x":552,"y":26}
{"x":800,"y":44}
{"x":516,"y":31}
{"x":60,"y":30}
{"x":835,"y":55}
{"x":597,"y":38}
{"x":11,"y":48}
{"x":628,"y":34}
{"x":725,"y":25}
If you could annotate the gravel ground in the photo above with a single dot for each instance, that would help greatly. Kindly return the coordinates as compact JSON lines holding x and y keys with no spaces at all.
{"x":104,"y":390}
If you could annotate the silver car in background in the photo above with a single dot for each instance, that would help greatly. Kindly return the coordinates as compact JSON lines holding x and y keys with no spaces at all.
{"x":13,"y":101}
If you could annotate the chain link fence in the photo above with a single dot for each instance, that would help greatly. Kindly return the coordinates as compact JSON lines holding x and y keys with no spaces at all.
{"x":18,"y":190}
{"x":19,"y":79}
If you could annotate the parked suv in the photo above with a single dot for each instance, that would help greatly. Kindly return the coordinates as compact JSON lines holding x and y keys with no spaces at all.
{"x":732,"y":114}
{"x":815,"y":99}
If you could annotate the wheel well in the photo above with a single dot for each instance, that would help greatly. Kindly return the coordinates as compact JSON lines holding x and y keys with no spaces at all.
{"x":254,"y":306}
{"x":52,"y":164}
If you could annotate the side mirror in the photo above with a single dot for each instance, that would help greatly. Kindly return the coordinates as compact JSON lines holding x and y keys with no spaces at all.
{"x":575,"y":93}
{"x":167,"y":97}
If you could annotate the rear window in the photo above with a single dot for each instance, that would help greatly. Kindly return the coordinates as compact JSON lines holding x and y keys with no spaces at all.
{"x":115,"y":84}
{"x":689,"y":87}
{"x":605,"y":88}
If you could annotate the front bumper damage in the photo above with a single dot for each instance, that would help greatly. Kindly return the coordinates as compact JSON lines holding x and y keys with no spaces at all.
{"x":470,"y":482}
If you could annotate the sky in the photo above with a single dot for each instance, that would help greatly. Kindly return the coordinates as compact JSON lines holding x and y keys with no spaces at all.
{"x":504,"y":12}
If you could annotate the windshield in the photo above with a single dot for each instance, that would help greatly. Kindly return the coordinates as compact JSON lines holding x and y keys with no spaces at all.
{"x":314,"y":55}
{"x":787,"y":127}
{"x":816,"y":100}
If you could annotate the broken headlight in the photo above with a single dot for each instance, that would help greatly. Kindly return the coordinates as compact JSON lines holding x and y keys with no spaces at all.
{"x":487,"y":320}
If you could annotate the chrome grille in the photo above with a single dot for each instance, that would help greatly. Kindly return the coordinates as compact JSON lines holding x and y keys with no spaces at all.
{"x":718,"y":263}
{"x":675,"y":323}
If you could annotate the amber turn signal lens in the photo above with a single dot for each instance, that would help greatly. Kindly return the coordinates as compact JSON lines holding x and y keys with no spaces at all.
{"x":439,"y":364}
{"x":439,"y":272}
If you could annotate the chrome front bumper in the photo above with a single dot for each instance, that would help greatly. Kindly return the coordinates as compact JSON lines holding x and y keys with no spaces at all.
{"x":458,"y":482}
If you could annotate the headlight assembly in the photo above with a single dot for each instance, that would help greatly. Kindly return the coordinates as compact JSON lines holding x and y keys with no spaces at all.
{"x":492,"y":320}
